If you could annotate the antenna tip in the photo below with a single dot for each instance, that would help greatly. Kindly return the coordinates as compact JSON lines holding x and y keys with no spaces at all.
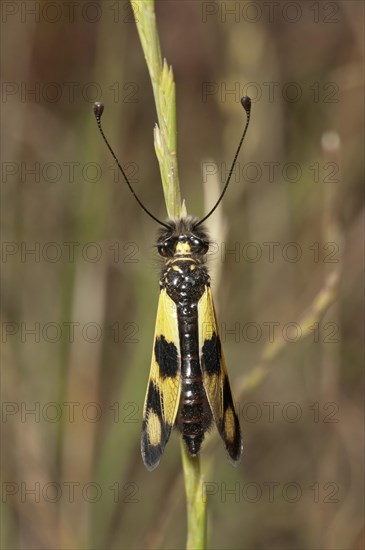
{"x":246,"y":103}
{"x":98,"y":109}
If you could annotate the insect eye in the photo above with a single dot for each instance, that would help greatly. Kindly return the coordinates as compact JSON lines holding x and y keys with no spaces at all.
{"x":166,"y":248}
{"x":198,"y":245}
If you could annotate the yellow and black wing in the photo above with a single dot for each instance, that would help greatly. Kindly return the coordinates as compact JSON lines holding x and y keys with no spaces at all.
{"x":215,"y":377}
{"x":164,"y":387}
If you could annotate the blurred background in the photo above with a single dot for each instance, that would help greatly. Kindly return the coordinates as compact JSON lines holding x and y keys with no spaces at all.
{"x":80,"y":273}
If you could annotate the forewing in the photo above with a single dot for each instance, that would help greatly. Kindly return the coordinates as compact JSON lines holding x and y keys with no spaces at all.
{"x":215,"y":377}
{"x":163,"y":391}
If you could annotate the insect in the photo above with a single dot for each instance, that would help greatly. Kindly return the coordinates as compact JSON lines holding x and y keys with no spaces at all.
{"x":188,"y":385}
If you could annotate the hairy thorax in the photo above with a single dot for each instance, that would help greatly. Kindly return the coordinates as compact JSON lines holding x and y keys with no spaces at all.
{"x":185,"y":279}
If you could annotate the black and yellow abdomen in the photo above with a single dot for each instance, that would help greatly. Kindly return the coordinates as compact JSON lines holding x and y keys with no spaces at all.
{"x":185,"y":280}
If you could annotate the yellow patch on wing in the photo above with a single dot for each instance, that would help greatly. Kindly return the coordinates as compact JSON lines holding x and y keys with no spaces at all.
{"x":168,"y":387}
{"x":229,"y":425}
{"x":154,"y":428}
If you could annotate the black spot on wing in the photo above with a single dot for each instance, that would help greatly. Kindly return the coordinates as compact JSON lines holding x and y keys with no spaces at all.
{"x":154,"y":399}
{"x":227,"y":395}
{"x":166,"y":357}
{"x":211,"y":355}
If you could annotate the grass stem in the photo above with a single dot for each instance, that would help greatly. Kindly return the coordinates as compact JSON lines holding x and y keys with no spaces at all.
{"x":163,"y":85}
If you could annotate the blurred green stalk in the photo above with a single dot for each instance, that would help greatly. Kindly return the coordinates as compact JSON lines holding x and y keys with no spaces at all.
{"x":165,"y":146}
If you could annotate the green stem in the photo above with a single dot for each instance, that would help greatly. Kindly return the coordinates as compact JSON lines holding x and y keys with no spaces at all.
{"x":163,"y":86}
{"x":165,"y":146}
{"x":195,"y":501}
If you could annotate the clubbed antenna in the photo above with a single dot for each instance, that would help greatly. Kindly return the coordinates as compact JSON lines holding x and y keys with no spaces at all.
{"x":98,"y":112}
{"x":246,"y":104}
